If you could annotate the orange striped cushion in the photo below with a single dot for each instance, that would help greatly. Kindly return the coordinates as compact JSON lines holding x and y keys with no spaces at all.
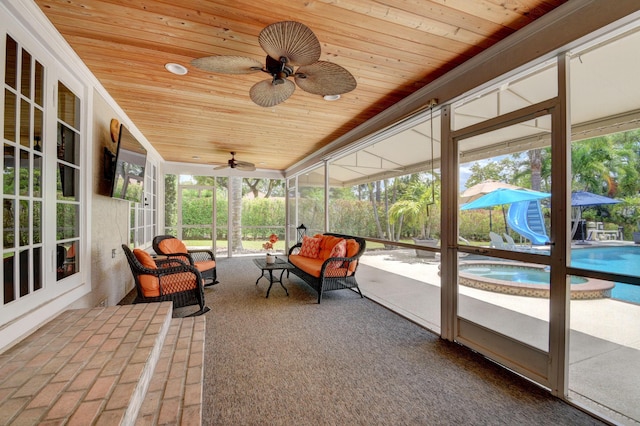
{"x":339,"y":250}
{"x":310,"y":247}
{"x":172,"y":245}
{"x":149,"y":283}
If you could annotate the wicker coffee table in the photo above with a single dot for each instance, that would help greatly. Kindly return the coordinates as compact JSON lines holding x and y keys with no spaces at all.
{"x":279,"y":265}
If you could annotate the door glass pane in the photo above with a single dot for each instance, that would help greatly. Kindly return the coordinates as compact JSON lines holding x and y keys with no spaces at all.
{"x":24,"y":273}
{"x":24,"y":222}
{"x":9,"y":172}
{"x":37,"y":268}
{"x":68,"y":145}
{"x":68,"y":107}
{"x":39,"y":84}
{"x":26,"y":74}
{"x":37,"y":176}
{"x":67,"y":221}
{"x":10,"y":116}
{"x":11,"y":63}
{"x":37,"y":222}
{"x":25,"y":172}
{"x":8,"y":223}
{"x":37,"y":129}
{"x":66,"y":258}
{"x":67,"y":183}
{"x":25,"y":124}
{"x":9,"y":290}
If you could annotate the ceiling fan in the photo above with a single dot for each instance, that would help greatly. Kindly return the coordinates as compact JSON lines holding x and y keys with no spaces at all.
{"x":288,"y":44}
{"x":235,"y":164}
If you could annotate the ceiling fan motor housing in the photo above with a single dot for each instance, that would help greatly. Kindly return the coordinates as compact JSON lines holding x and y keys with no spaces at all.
{"x":278,"y":69}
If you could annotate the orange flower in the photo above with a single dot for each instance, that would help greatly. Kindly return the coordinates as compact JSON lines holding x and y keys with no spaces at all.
{"x":273,"y":238}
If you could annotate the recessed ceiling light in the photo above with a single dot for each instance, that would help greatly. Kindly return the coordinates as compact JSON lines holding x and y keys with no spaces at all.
{"x":176,"y":68}
{"x":331,"y":97}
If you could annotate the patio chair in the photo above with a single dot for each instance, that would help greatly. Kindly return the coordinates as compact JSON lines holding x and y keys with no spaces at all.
{"x":165,"y":280}
{"x":202,"y":259}
{"x":510,"y":243}
{"x":497,"y":241}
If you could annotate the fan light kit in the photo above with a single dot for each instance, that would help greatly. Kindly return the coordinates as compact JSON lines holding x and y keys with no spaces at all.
{"x":288,"y":44}
{"x":176,"y":69}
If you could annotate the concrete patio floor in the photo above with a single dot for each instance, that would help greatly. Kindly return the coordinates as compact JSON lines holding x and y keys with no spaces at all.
{"x":604,"y":341}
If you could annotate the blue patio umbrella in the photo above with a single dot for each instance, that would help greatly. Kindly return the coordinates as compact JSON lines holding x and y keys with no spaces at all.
{"x":504,"y":196}
{"x":585,"y":199}
{"x":582,"y":199}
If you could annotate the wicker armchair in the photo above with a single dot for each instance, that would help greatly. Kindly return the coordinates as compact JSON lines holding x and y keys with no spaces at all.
{"x":202,"y":259}
{"x":165,"y":280}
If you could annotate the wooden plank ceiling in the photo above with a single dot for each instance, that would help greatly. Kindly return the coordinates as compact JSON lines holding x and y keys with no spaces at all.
{"x":392,"y":48}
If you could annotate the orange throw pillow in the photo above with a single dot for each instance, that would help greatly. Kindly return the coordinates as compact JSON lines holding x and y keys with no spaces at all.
{"x":149,"y":283}
{"x":310,"y":247}
{"x":145,"y":258}
{"x":339,"y":250}
{"x":352,"y":247}
{"x":172,"y":245}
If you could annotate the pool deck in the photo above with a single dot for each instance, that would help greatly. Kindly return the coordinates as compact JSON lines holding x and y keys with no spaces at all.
{"x":604,"y":340}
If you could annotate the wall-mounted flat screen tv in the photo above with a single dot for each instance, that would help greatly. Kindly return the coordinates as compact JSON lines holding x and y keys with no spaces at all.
{"x":128,"y":174}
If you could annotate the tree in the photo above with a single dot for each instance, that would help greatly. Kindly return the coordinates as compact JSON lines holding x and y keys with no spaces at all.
{"x":414,"y":205}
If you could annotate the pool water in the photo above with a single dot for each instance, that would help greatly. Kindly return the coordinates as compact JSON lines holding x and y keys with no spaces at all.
{"x":619,"y":260}
{"x":519,"y":274}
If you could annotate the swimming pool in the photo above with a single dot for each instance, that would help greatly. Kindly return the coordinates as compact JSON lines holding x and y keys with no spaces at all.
{"x":620,"y":260}
{"x":522,"y":279}
{"x":533,"y":280}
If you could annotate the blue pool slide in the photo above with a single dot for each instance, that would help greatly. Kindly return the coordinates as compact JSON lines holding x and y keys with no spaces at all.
{"x":525,"y":217}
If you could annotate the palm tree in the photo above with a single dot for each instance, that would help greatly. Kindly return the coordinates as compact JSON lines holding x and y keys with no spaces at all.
{"x":412,"y":209}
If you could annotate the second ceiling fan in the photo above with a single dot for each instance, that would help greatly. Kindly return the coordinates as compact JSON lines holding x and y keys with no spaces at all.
{"x":288,"y":44}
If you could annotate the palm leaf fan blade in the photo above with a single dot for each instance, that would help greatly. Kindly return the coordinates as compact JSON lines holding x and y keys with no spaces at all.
{"x":227,"y":64}
{"x":325,"y":78}
{"x":267,"y":94}
{"x":292,"y":40}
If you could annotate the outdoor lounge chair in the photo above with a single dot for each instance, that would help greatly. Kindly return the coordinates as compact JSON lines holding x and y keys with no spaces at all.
{"x":165,"y":280}
{"x":202,"y":259}
{"x":497,"y":241}
{"x":510,"y":243}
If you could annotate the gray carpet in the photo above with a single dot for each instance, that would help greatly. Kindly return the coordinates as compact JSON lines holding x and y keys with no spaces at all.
{"x":348,"y":361}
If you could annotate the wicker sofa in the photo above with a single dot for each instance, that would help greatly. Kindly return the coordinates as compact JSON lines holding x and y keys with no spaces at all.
{"x":326,"y":272}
